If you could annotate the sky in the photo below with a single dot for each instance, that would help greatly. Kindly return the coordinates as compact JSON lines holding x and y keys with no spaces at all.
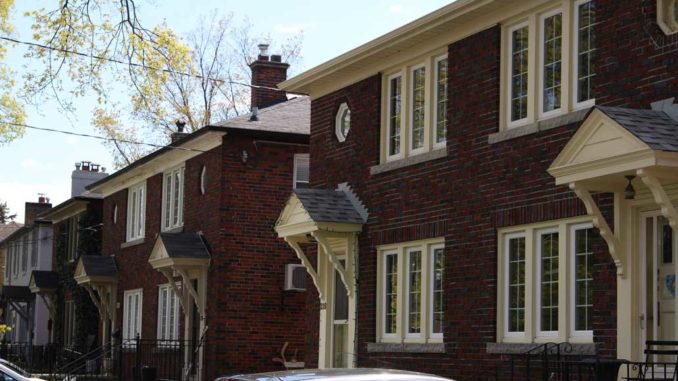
{"x":42,"y":162}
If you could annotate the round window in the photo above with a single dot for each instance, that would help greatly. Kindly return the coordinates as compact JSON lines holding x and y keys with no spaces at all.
{"x":343,"y":122}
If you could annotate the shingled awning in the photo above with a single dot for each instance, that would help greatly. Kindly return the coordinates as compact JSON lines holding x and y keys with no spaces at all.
{"x":617,"y":148}
{"x":44,"y":281}
{"x":96,"y":269}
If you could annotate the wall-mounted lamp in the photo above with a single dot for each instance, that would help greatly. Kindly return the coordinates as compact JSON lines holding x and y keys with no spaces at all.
{"x":629,"y":192}
{"x":244,"y":156}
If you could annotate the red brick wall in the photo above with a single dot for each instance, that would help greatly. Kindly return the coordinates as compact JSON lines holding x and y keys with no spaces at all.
{"x":480,"y":187}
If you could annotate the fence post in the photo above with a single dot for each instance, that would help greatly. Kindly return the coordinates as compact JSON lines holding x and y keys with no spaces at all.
{"x":137,"y":358}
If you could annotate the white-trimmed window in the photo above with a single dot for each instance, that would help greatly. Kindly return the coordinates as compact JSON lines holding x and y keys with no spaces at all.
{"x":173,"y":199}
{"x":69,"y":323}
{"x":131,"y":321}
{"x":539,"y":266}
{"x":301,"y":171}
{"x":168,"y":313}
{"x":136,"y":211}
{"x":553,"y":53}
{"x":342,"y":122}
{"x":415,"y":108}
{"x":73,"y":232}
{"x":410,"y":292}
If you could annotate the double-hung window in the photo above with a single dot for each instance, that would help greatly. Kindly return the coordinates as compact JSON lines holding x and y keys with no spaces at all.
{"x":73,"y":230}
{"x":415,"y":108}
{"x":168,"y":314}
{"x":173,"y":199}
{"x":549,"y":66}
{"x":539,"y":266}
{"x":131,"y":322}
{"x":301,"y":171}
{"x":410,"y":292}
{"x":136,"y":210}
{"x":69,"y":323}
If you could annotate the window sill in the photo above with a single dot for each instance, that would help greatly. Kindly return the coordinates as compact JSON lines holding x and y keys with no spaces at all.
{"x":406,"y":348}
{"x":178,"y":229}
{"x":542,"y":125}
{"x":133,"y":242}
{"x":519,"y":348}
{"x":411,"y":160}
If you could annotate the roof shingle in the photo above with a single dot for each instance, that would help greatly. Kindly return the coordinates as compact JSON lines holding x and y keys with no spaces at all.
{"x":327,"y":205}
{"x":292,"y":116}
{"x":184,"y":245}
{"x":654,"y":128}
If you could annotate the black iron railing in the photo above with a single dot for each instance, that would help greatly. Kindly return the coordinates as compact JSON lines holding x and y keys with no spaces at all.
{"x":40,"y":359}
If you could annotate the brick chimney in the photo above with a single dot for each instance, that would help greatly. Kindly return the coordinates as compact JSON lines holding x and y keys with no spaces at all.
{"x":85,"y":173}
{"x":267,"y":72}
{"x":33,"y":209}
{"x":180,"y":131}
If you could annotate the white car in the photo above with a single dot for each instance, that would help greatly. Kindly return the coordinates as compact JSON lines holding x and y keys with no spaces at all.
{"x":358,"y":374}
{"x":11,"y":372}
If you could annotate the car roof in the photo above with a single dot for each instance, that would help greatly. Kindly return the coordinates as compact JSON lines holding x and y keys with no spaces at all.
{"x":362,"y":374}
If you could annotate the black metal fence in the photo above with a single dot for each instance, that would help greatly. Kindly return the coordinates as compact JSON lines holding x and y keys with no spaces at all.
{"x":38,"y":359}
{"x":142,"y":359}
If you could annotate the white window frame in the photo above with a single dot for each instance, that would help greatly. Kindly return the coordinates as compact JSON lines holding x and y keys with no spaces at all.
{"x":203,"y":179}
{"x":402,"y":252}
{"x":532,"y":234}
{"x":431,"y":266}
{"x":300,"y":158}
{"x":171,"y":318}
{"x":505,"y":300}
{"x":575,"y":54}
{"x":539,"y":257}
{"x":509,"y":87}
{"x":542,"y":76}
{"x":436,"y":100}
{"x":170,"y":214}
{"x":573,"y":277}
{"x":139,"y":216}
{"x":403,"y":105}
{"x":569,"y":63}
{"x":426,"y":122}
{"x":126,"y":312}
{"x":415,"y":337}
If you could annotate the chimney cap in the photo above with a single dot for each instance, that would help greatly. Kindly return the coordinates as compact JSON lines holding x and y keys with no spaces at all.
{"x":180,"y":125}
{"x":263,"y":49}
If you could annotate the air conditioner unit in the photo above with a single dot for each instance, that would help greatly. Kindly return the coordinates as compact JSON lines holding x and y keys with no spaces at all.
{"x":295,"y":277}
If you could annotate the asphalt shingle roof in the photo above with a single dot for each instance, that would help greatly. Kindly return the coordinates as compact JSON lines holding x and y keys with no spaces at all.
{"x":46,"y":279}
{"x":99,"y":265}
{"x":7,"y":229}
{"x":327,"y":205}
{"x":292,"y":116}
{"x":184,"y":245}
{"x":654,"y":128}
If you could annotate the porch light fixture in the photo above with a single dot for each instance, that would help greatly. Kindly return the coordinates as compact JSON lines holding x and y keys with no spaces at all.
{"x":629,"y":192}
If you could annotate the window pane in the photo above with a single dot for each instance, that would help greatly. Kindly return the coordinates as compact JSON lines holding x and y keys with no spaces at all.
{"x":418,"y":107}
{"x":391,"y":293}
{"x":552,"y":62}
{"x":441,"y":101}
{"x":414,"y":292}
{"x":583,"y":280}
{"x":516,"y":284}
{"x":437,"y":297}
{"x":586,"y":48}
{"x":519,"y":51}
{"x":140,"y":212}
{"x":176,"y":184}
{"x":394,"y":117}
{"x":133,"y":215}
{"x":549,"y":281}
{"x":168,"y":200}
{"x":345,"y":122}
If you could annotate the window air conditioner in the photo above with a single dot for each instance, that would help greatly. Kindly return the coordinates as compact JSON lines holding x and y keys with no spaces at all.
{"x":295,"y":277}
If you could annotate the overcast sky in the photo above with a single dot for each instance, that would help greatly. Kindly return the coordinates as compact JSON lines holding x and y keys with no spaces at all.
{"x":42,"y":162}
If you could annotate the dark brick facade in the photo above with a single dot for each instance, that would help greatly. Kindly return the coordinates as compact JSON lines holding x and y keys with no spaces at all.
{"x":480,"y":187}
{"x":248,"y":314}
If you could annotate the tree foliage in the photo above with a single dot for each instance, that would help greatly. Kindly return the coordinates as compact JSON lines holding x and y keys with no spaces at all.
{"x":5,"y":217}
{"x":12,"y":113}
{"x":101,"y":47}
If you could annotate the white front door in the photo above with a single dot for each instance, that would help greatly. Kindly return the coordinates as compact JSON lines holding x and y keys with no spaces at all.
{"x":658,"y":248}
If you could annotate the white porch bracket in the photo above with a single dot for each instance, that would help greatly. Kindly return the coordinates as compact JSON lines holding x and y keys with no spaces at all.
{"x":343,"y":274}
{"x":307,"y":264}
{"x":188,"y":285}
{"x":94,"y":298}
{"x":660,"y":196}
{"x":170,"y":279}
{"x":612,"y":240}
{"x":49,"y":302}
{"x":22,"y":311}
{"x":105,"y":298}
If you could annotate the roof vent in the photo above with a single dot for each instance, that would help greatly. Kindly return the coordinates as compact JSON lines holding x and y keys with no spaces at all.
{"x":255,"y":114}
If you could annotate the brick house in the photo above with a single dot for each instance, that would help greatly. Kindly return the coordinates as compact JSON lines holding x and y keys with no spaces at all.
{"x":76,"y":226}
{"x":492,"y":176}
{"x":28,"y":249}
{"x":189,"y":253}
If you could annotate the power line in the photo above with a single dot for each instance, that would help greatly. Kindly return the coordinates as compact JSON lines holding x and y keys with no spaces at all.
{"x":102,"y":137}
{"x":134,"y":64}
